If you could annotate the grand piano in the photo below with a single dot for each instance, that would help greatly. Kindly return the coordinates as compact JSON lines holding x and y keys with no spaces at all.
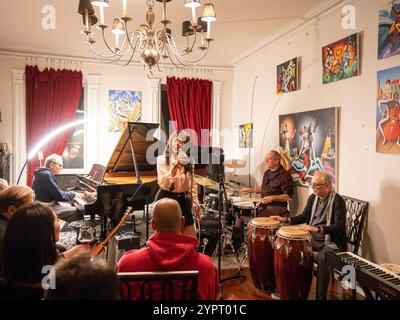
{"x":129,"y":178}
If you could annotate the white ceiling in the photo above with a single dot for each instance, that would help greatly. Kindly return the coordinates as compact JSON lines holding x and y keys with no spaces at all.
{"x":240,"y":24}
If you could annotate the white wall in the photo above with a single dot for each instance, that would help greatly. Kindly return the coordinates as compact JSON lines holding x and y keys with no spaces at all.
{"x":362,"y":172}
{"x":100,"y":142}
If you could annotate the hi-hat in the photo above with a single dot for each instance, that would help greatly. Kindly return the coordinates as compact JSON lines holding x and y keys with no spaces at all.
{"x":206,"y":182}
{"x":235,"y":163}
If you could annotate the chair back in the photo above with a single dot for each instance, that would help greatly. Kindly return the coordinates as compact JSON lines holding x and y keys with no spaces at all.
{"x":168,"y":285}
{"x":357,"y":211}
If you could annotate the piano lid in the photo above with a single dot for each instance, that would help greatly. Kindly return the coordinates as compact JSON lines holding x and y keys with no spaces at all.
{"x":121,"y":159}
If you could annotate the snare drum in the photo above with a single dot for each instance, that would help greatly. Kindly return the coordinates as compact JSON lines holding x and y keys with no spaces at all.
{"x":260,"y":244}
{"x":243,"y":208}
{"x":293,"y":263}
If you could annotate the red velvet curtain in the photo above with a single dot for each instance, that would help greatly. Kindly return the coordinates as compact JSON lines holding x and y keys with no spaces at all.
{"x":189,"y":103}
{"x":52,"y":98}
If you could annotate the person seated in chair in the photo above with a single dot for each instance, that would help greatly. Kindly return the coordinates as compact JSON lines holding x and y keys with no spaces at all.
{"x":47,"y":190}
{"x":11,"y":200}
{"x":325,"y":218}
{"x":84,"y":278}
{"x":168,"y":249}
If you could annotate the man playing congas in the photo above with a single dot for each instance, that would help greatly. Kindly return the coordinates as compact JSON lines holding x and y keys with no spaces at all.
{"x":325,"y":218}
{"x":276,"y":189}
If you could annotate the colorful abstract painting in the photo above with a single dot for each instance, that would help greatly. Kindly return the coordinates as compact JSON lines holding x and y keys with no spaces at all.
{"x":246,"y":135}
{"x":287,"y":75}
{"x":388,"y":111}
{"x":123,"y":106}
{"x":389,"y":30}
{"x":308,"y":143}
{"x":340,"y":60}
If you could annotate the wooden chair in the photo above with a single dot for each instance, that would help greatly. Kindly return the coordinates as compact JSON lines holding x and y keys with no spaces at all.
{"x":356,"y":213}
{"x":168,"y":285}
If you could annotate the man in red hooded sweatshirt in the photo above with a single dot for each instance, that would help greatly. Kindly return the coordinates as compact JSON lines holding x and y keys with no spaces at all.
{"x":170,"y":250}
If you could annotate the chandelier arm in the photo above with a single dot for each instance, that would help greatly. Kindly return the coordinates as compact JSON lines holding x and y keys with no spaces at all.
{"x":182,"y":60}
{"x":107,"y":45}
{"x":103,"y":58}
{"x":127,"y":37}
{"x":131,"y":58}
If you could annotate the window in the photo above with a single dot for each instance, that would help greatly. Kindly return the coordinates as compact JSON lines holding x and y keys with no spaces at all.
{"x":73,"y":155}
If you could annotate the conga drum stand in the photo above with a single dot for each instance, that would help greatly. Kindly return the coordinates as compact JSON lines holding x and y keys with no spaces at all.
{"x":222,"y":200}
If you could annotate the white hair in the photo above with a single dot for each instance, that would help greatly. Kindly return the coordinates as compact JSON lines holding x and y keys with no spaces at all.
{"x":53,"y":158}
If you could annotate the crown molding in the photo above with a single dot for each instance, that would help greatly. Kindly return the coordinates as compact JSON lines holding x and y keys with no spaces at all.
{"x":321,"y":14}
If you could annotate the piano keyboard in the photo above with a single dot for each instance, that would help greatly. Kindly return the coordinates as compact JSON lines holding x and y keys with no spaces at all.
{"x":370,"y":275}
{"x":372,"y":267}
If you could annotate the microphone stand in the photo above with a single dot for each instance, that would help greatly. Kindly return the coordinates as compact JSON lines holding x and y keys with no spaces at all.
{"x":223,"y":199}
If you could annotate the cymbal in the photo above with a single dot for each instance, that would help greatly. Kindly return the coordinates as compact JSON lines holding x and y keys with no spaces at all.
{"x":235,"y":163}
{"x":205,"y":182}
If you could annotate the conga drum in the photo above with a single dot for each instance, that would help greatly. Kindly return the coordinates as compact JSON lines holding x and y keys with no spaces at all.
{"x":260,"y":245}
{"x":293,"y":263}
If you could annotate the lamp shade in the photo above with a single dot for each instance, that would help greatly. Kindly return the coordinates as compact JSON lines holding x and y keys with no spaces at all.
{"x":187,"y":29}
{"x":85,"y":5}
{"x":209,"y":13}
{"x":100,"y":3}
{"x":192,"y":3}
{"x":118,"y":27}
{"x":201,"y":25}
{"x":93,"y":19}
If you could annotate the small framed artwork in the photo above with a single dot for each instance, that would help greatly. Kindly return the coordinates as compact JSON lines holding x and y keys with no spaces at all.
{"x":389,"y":30}
{"x":388,"y":111}
{"x":340,"y":60}
{"x":287,"y":76}
{"x":246,"y":135}
{"x":123,"y":106}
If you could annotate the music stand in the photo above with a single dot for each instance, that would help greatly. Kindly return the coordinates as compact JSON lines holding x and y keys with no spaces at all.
{"x":221,"y":195}
{"x":145,"y":192}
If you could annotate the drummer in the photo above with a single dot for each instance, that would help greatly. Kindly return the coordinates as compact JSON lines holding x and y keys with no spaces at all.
{"x":325,"y":215}
{"x":277,"y":188}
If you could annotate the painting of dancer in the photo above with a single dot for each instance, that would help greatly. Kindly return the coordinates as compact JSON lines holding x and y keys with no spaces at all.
{"x":308,"y":143}
{"x":388,"y":111}
{"x":287,"y":76}
{"x":389,"y":30}
{"x":340,"y":59}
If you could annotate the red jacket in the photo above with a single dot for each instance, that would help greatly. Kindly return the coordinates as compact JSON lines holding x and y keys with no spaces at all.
{"x":172,"y":252}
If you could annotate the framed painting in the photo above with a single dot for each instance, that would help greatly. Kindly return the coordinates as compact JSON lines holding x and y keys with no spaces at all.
{"x":308,"y":143}
{"x":246,"y":135}
{"x":389,"y":30}
{"x":388,"y":111}
{"x":340,"y":60}
{"x":287,"y":76}
{"x":123,"y":106}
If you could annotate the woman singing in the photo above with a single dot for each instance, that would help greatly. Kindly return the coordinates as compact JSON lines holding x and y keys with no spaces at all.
{"x":176,"y":178}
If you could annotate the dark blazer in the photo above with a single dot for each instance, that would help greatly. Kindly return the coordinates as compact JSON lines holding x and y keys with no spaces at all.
{"x":337,"y":228}
{"x":46,"y":188}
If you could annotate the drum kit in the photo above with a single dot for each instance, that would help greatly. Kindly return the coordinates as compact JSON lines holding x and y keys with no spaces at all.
{"x":280,"y":257}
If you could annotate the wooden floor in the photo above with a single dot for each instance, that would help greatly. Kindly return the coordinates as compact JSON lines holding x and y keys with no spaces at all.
{"x":240,"y":289}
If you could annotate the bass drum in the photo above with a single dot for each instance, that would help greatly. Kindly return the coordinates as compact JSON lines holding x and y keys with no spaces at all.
{"x":207,"y":232}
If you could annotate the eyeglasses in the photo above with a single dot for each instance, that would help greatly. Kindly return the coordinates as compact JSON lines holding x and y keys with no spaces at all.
{"x":317,"y":185}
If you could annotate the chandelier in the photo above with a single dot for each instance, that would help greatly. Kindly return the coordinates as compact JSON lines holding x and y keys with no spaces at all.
{"x":153,"y":47}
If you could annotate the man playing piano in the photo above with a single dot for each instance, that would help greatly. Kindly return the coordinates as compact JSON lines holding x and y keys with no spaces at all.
{"x":325,"y":218}
{"x":175,"y":178}
{"x":47,"y":190}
